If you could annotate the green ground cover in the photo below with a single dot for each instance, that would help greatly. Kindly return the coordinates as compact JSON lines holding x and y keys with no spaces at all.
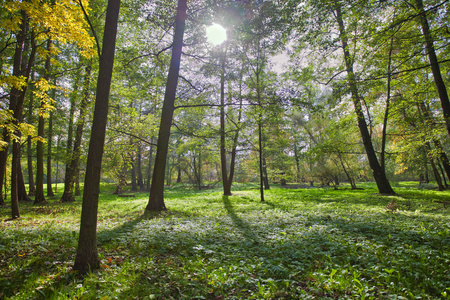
{"x":299,"y":244}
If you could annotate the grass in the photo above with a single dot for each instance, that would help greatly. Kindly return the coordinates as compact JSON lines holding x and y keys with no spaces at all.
{"x":299,"y":244}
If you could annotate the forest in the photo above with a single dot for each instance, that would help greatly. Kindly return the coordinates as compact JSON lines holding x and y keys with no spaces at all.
{"x":239,"y":149}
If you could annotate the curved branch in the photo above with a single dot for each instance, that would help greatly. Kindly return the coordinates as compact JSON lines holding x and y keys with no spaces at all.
{"x":91,"y":26}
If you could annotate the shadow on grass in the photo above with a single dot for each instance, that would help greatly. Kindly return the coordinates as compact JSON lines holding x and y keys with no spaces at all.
{"x":242,"y":225}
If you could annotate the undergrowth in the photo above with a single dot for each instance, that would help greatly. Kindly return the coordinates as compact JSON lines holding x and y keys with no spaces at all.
{"x":298,"y":244}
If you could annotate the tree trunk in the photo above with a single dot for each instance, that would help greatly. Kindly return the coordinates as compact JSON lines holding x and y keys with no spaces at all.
{"x":265,"y":176}
{"x":21,"y":190}
{"x":39,"y":197}
{"x":386,"y":111}
{"x":133,"y":177}
{"x":3,"y":161}
{"x":384,"y":187}
{"x":149,"y":168}
{"x":223,"y":154}
{"x":73,"y":166}
{"x":50,"y":192}
{"x":443,"y":157}
{"x":20,"y":68}
{"x":31,"y":187}
{"x":87,"y":256}
{"x":261,"y":172}
{"x":156,"y":199}
{"x":77,"y":182}
{"x":347,"y":173}
{"x":140,"y":178}
{"x":435,"y":68}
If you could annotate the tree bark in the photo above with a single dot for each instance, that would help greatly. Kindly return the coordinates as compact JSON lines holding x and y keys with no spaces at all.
{"x":435,"y":68}
{"x":386,"y":110}
{"x":223,"y":154}
{"x":87,"y":256}
{"x":72,"y":167}
{"x":437,"y":176}
{"x":21,"y":67}
{"x":31,"y":186}
{"x":156,"y":199}
{"x":39,"y":197}
{"x":21,"y":190}
{"x":3,"y":161}
{"x":149,"y":168}
{"x":50,"y":192}
{"x":384,"y":187}
{"x":261,"y":172}
{"x":139,"y":170}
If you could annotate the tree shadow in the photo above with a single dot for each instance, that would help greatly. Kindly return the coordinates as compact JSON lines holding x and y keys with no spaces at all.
{"x":242,"y":225}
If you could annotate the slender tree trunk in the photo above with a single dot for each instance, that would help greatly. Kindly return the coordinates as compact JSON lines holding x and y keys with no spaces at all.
{"x":347,"y":173}
{"x":3,"y":161}
{"x":156,"y":199}
{"x":87,"y":256}
{"x":386,"y":110}
{"x":437,"y":176}
{"x":73,"y":166}
{"x":223,"y":154}
{"x":266,"y":177}
{"x":435,"y":68}
{"x":261,"y":172}
{"x":133,"y":177}
{"x":39,"y":197}
{"x":149,"y":168}
{"x":21,"y":190}
{"x":31,"y":186}
{"x":442,"y":157}
{"x":384,"y":187}
{"x":443,"y":174}
{"x":139,"y":170}
{"x":50,"y":192}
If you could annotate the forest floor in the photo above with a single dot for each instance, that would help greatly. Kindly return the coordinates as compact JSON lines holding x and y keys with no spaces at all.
{"x":298,"y":244}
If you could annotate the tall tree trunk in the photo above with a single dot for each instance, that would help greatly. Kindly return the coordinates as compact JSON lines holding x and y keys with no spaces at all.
{"x":87,"y":256}
{"x":31,"y":186}
{"x":39,"y":197}
{"x":50,"y":192}
{"x":435,"y":68}
{"x":73,"y":166}
{"x":17,"y":96}
{"x":223,"y":154}
{"x":156,"y":199}
{"x":149,"y":168}
{"x":384,"y":187}
{"x":386,"y":110}
{"x":260,"y":149}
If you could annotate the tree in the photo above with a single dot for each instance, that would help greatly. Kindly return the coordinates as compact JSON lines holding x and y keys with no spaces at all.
{"x":156,"y":199}
{"x":87,"y":255}
{"x":73,"y":163}
{"x":379,"y":174}
{"x":434,"y":63}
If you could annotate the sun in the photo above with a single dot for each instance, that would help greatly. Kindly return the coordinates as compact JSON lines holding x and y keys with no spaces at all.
{"x":216,"y":34}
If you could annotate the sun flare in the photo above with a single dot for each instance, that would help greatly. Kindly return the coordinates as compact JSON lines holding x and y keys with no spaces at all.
{"x":216,"y":34}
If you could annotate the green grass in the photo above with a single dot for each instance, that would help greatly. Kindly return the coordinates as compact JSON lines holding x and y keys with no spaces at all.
{"x":299,"y":244}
